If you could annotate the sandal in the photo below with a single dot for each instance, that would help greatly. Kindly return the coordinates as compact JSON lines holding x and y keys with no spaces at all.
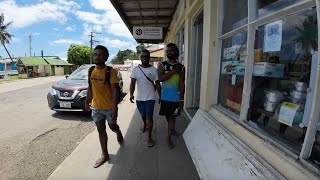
{"x":150,"y":143}
{"x":142,"y":130}
{"x":101,"y":161}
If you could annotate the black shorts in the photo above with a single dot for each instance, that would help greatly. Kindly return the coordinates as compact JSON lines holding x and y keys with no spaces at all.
{"x":169,"y":109}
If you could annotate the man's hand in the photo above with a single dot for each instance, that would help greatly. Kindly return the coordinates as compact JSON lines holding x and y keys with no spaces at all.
{"x":131,"y":99}
{"x":87,"y":106}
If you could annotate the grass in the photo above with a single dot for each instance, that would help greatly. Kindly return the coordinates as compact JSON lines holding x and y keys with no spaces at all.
{"x":11,"y":78}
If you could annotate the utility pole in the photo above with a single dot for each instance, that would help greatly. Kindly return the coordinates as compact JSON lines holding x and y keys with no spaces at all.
{"x":91,"y":44}
{"x":30,"y":38}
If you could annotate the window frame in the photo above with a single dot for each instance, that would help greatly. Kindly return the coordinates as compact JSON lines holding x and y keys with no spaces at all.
{"x":253,"y":22}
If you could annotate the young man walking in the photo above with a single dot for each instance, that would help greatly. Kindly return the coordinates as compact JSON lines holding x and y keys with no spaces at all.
{"x":172,"y":75}
{"x":103,"y":96}
{"x":145,"y":75}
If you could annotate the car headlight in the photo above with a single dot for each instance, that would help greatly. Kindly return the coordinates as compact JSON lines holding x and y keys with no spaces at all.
{"x":52,"y":91}
{"x":83,"y":93}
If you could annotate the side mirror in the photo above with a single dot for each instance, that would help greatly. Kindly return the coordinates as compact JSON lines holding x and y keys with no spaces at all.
{"x":67,"y":75}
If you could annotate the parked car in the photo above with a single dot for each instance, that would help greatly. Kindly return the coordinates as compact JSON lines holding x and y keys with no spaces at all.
{"x":69,"y":94}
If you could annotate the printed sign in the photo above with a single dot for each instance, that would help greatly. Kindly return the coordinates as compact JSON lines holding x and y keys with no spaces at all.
{"x":273,"y":36}
{"x":287,"y":113}
{"x":147,"y":32}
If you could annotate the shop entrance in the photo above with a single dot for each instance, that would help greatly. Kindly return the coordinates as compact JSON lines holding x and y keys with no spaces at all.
{"x":194,"y":66}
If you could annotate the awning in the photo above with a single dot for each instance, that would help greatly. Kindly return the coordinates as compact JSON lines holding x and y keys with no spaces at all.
{"x":146,"y":13}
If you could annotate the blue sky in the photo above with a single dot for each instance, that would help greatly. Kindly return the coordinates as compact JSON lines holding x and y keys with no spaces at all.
{"x":56,"y":24}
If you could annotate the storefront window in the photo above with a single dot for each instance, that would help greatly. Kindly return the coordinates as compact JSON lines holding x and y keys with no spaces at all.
{"x":283,"y":55}
{"x":238,"y":17}
{"x":266,"y":7}
{"x":232,"y":72}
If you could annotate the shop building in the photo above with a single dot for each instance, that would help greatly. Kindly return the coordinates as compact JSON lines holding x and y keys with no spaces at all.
{"x":252,"y":81}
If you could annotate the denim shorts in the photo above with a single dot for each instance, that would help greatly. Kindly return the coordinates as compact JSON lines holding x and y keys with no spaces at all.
{"x":146,"y":108}
{"x":99,"y":115}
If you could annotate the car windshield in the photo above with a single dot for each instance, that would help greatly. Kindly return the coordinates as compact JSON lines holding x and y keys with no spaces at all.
{"x":80,"y":74}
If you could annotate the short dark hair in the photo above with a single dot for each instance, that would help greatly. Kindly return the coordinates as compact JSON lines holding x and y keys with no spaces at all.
{"x":173,"y":46}
{"x":146,"y":51}
{"x":100,"y":47}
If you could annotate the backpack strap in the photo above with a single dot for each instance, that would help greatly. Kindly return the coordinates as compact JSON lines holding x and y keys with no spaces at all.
{"x":108,"y":75}
{"x":89,"y":75}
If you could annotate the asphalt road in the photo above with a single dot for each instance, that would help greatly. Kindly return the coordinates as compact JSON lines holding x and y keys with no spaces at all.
{"x":33,"y":139}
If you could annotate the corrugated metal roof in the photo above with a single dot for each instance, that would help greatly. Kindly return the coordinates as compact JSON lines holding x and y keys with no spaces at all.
{"x":56,"y":61}
{"x":33,"y":61}
{"x":146,"y":13}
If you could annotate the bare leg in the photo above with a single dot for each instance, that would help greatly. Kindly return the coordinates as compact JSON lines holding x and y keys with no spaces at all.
{"x":150,"y":127}
{"x":170,"y":128}
{"x":103,"y":138}
{"x":144,"y":128}
{"x":115,"y":128}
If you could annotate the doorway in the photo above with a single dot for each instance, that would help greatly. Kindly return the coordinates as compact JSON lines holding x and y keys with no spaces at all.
{"x":194,"y":67}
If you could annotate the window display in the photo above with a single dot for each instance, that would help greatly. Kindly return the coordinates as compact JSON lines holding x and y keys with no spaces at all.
{"x":232,"y":72}
{"x":281,"y":76}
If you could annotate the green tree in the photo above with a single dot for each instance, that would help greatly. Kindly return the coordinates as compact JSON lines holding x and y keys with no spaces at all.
{"x":5,"y":36}
{"x":122,"y":56}
{"x":78,"y":54}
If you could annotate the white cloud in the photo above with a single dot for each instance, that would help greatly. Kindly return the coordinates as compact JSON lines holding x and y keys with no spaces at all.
{"x":23,"y":16}
{"x":55,"y":29}
{"x":66,"y":41}
{"x":119,"y":44}
{"x":101,"y":5}
{"x":70,"y":29}
{"x":109,"y":20}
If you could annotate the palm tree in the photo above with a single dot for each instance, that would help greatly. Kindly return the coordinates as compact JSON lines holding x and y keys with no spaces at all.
{"x":5,"y":36}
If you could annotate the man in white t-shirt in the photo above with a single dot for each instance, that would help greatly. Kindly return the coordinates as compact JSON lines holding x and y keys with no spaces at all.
{"x":146,"y":76}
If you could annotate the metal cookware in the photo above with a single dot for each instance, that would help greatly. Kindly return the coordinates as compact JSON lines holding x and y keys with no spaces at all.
{"x":274,"y":96}
{"x":298,"y":94}
{"x":301,"y":86}
{"x":270,"y":106}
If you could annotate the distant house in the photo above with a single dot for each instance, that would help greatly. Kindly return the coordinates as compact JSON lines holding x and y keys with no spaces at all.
{"x":58,"y":66}
{"x":41,"y":66}
{"x":9,"y":65}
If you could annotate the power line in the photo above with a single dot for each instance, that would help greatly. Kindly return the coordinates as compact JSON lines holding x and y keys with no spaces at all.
{"x":91,"y":43}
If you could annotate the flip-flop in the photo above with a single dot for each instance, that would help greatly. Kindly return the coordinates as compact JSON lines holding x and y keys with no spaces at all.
{"x":171,"y":146}
{"x":150,"y":143}
{"x":141,"y":131}
{"x":100,"y":162}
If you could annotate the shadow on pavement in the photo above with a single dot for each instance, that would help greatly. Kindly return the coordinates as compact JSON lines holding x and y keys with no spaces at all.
{"x":134,"y":160}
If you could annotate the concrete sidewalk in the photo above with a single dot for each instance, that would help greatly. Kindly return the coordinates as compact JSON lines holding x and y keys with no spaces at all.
{"x":133,"y":160}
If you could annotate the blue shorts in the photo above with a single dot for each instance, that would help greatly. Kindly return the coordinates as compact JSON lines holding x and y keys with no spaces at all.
{"x":146,"y":108}
{"x":99,"y":115}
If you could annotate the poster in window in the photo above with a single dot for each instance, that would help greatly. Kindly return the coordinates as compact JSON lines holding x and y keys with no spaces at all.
{"x":273,"y":36}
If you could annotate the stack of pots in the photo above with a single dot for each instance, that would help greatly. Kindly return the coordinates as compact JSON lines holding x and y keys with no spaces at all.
{"x":273,"y":99}
{"x":299,"y":95}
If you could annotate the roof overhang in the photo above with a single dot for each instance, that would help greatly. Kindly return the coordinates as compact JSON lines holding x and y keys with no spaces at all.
{"x":146,"y":13}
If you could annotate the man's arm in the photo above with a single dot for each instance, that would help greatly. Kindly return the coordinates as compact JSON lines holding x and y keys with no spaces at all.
{"x":182,"y":87}
{"x":158,"y":87}
{"x":132,"y":88}
{"x":165,"y":76}
{"x":115,"y":94}
{"x":89,"y":93}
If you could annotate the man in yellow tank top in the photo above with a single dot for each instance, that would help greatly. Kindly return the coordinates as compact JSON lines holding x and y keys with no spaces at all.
{"x":103,"y":99}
